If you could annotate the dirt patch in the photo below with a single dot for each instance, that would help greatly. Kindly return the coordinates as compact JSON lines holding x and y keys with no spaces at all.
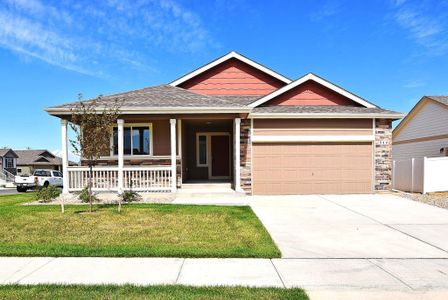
{"x":108,"y":198}
{"x":437,"y":199}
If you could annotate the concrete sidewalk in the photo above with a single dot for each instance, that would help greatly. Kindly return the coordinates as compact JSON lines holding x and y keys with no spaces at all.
{"x":321,"y":278}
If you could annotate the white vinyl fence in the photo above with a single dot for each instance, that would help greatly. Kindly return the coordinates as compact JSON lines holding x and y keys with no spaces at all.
{"x":421,"y":175}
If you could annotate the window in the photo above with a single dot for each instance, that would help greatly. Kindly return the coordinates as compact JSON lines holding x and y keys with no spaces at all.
{"x":9,"y":162}
{"x":42,"y":173}
{"x":136,"y":140}
{"x":57,"y":174}
{"x":202,"y":157}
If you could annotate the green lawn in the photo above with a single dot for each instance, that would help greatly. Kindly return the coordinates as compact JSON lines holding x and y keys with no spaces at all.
{"x":150,"y":292}
{"x":144,"y":230}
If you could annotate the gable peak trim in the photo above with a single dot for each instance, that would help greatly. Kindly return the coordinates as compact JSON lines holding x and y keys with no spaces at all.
{"x":224,"y":58}
{"x":315,"y":78}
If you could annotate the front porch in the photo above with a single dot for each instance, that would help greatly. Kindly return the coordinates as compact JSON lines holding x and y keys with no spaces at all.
{"x":153,"y":153}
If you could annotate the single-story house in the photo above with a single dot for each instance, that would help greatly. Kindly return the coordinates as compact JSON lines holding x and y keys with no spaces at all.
{"x":236,"y":120}
{"x":29,"y":160}
{"x":424,"y":131}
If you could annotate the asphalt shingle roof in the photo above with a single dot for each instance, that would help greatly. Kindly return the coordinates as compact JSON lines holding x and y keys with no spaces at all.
{"x":32,"y":157}
{"x":4,"y":151}
{"x":167,"y":96}
{"x":161,"y":96}
{"x":440,"y":99}
{"x":310,"y":109}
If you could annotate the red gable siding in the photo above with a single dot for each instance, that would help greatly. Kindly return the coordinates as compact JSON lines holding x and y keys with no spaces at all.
{"x":311,"y":93}
{"x":233,"y":77}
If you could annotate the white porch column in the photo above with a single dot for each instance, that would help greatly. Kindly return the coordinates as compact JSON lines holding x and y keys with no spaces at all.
{"x":64,"y":156}
{"x":237,"y":154}
{"x":120,"y":124}
{"x":173,"y":155}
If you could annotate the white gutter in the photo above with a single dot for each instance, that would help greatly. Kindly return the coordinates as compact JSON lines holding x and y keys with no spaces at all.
{"x":324,"y":116}
{"x":160,"y":110}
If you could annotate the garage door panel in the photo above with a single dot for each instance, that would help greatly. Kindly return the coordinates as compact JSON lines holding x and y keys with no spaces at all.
{"x":312,"y":168}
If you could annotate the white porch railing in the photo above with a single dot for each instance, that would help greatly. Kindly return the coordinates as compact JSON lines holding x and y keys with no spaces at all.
{"x":151,"y":179}
{"x":7,"y":176}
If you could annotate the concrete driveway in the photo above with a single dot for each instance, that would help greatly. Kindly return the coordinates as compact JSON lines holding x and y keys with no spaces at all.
{"x":354,"y":226}
{"x":359,"y":246}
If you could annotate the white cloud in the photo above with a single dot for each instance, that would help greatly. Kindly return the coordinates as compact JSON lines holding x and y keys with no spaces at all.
{"x":414,"y":84}
{"x":426,"y":23}
{"x":96,"y":38}
{"x":328,"y":9}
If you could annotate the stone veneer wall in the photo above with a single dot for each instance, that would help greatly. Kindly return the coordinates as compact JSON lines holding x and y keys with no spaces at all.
{"x":246,"y":156}
{"x":383,"y":154}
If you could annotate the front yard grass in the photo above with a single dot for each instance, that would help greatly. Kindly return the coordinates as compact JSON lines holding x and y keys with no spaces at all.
{"x":150,"y":292}
{"x":140,"y":230}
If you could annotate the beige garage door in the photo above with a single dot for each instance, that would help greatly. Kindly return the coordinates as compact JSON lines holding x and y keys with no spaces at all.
{"x":322,"y":168}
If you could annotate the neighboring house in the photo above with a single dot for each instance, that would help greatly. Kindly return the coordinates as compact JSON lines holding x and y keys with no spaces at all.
{"x":238,"y":121}
{"x":8,"y":160}
{"x":29,"y":160}
{"x":424,"y":131}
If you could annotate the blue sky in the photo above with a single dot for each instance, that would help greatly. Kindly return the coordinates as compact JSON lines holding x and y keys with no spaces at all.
{"x":389,"y":52}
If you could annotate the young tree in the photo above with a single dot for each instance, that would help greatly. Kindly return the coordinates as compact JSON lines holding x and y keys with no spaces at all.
{"x":92,"y":122}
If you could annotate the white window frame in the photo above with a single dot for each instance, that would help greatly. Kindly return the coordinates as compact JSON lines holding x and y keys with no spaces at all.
{"x":130,"y":125}
{"x":207,"y":142}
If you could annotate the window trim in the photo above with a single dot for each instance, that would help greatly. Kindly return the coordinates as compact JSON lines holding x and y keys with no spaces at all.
{"x":130,"y":125}
{"x":9,"y":159}
{"x":198,"y":134}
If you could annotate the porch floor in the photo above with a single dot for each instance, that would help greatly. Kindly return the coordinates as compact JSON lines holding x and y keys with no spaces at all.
{"x":214,"y":193}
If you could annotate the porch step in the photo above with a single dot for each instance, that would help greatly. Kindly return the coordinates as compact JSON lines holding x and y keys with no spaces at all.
{"x":207,"y":190}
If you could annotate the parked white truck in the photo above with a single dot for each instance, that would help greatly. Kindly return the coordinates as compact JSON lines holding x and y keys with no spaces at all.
{"x":39,"y":178}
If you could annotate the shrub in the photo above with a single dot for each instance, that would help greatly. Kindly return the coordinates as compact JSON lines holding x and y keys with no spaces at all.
{"x":46,"y":194}
{"x":129,"y":196}
{"x":84,"y":196}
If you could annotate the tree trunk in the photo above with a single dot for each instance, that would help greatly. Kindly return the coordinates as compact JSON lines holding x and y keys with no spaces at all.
{"x":90,"y":187}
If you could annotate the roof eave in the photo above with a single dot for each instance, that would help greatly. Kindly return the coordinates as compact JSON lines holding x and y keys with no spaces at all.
{"x":159,"y":110}
{"x":325,"y":116}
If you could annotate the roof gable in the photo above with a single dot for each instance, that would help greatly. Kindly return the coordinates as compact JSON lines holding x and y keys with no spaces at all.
{"x":427,"y":105}
{"x":330,"y":88}
{"x":311,"y":93}
{"x":41,"y":159}
{"x":232,"y":74}
{"x":47,"y":153}
{"x":7,"y":152}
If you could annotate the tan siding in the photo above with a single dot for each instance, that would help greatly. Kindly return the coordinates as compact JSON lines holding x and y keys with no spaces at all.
{"x":161,"y":137}
{"x":418,"y":149}
{"x":430,"y":120}
{"x":320,"y":168}
{"x":312,"y":127}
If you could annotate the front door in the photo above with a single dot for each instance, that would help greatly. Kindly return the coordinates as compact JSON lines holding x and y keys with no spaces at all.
{"x":220,"y":155}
